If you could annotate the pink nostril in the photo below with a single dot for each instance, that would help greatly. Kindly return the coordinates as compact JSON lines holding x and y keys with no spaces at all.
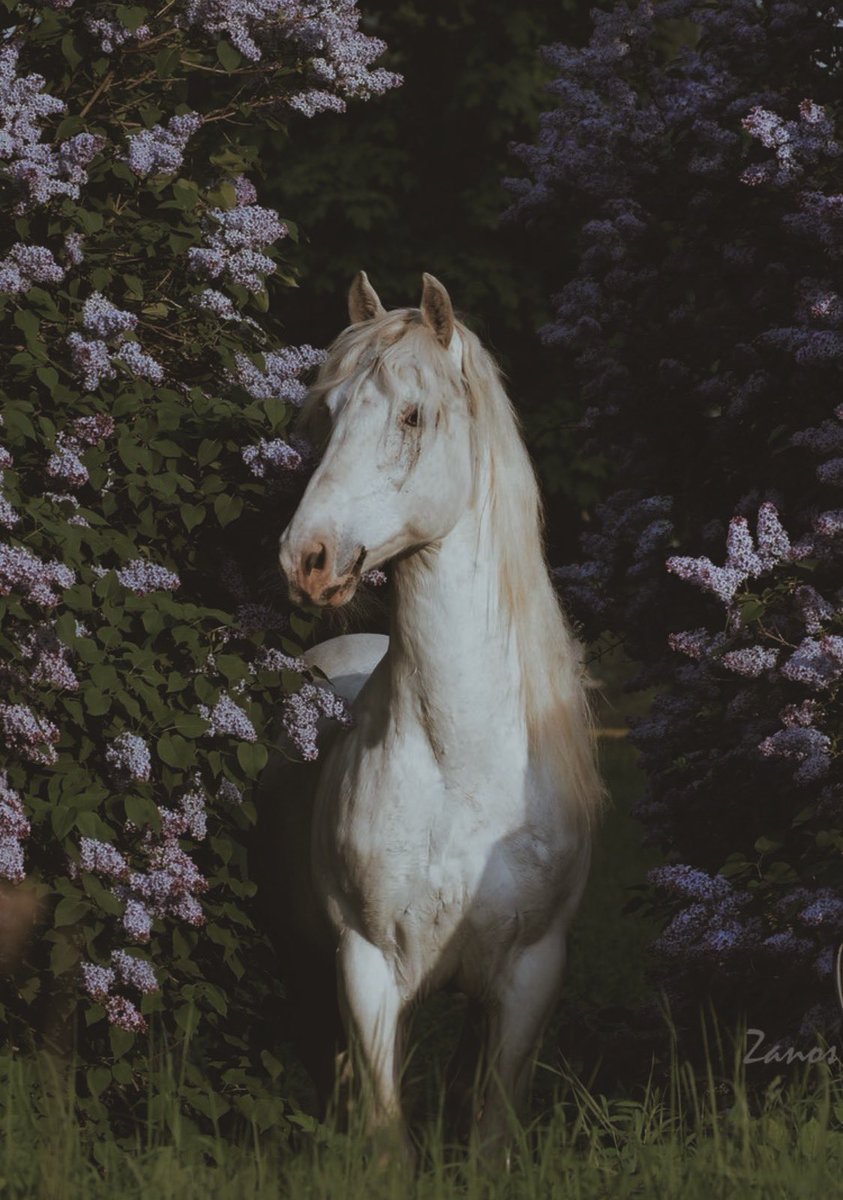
{"x":315,"y":560}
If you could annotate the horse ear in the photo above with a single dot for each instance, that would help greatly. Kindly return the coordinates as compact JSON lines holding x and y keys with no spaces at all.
{"x":437,"y":309}
{"x":363,"y":302}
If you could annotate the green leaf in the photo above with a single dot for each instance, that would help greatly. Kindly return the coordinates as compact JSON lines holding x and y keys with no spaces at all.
{"x":98,"y":1079}
{"x":191,"y":725}
{"x":192,"y":515}
{"x":62,"y":820}
{"x":227,"y":508}
{"x":176,"y":751}
{"x":132,"y":16}
{"x":141,"y":811}
{"x":69,"y":49}
{"x":63,"y":956}
{"x":207,"y":452}
{"x":252,"y":757}
{"x":228,"y":56}
{"x":70,"y":910}
{"x":121,"y":1040}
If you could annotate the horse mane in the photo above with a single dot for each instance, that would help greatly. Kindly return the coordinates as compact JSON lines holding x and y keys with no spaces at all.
{"x":558,"y":715}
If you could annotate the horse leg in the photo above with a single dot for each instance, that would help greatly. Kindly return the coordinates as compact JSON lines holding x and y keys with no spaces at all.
{"x":373,"y":1011}
{"x":521,"y":1003}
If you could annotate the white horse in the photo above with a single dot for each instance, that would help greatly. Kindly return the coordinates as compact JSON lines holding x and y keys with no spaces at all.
{"x":450,"y":835}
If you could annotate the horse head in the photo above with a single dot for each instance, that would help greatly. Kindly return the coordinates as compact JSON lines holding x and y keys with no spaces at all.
{"x":390,"y":412}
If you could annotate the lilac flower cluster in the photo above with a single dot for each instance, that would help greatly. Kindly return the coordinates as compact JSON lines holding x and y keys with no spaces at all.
{"x":797,"y":144}
{"x":217,"y":304}
{"x":14,"y":830}
{"x":301,"y":711}
{"x":268,"y":459}
{"x":112,"y":33}
{"x":227,"y":719}
{"x":65,"y":463}
{"x":229,"y":793}
{"x":280,"y":377}
{"x":38,"y":581}
{"x":715,"y":163}
{"x":27,"y":734}
{"x":160,"y":150}
{"x":47,"y":659}
{"x":129,"y":758}
{"x":91,"y":356}
{"x":328,"y":32}
{"x":25,"y":265}
{"x":39,"y":170}
{"x":744,"y":559}
{"x":236,"y":238}
{"x":9,"y":517}
{"x":129,"y":971}
{"x":168,"y":885}
{"x":142,"y":577}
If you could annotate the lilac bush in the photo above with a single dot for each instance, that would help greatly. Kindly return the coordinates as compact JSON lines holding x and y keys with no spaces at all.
{"x":698,"y":152}
{"x":145,"y":647}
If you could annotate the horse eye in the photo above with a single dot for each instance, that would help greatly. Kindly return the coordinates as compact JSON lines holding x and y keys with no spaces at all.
{"x":411,"y":418}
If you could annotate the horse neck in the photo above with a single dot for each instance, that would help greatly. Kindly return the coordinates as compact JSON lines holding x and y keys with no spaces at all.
{"x":453,"y":661}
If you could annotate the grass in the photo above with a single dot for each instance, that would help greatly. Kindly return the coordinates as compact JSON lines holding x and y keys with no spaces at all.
{"x":689,"y":1140}
{"x":680,"y":1138}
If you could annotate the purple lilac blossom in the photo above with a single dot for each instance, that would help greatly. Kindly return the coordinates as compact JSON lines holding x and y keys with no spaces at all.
{"x":218,"y":304}
{"x":627,"y":127}
{"x":817,"y":662}
{"x":101,"y":858}
{"x":227,"y":719}
{"x":47,"y":659}
{"x":128,"y":755}
{"x":137,"y":920}
{"x":141,"y":364}
{"x":39,"y":581}
{"x":276,"y":660}
{"x":229,"y":793}
{"x":301,"y":711}
{"x":235,"y":240}
{"x":750,"y":661}
{"x":24,"y":266}
{"x":65,"y":464}
{"x":690,"y":882}
{"x":134,"y":972}
{"x":809,"y":747}
{"x":90,"y":357}
{"x":31,"y":736}
{"x":113,"y":33}
{"x":142,"y":577}
{"x":244,"y":190}
{"x":280,"y":377}
{"x":98,"y":981}
{"x":269,"y":458}
{"x":124,"y":1014}
{"x":40,"y":171}
{"x":104,"y":319}
{"x":160,"y":150}
{"x":329,"y":34}
{"x":14,"y":829}
{"x":73,"y":249}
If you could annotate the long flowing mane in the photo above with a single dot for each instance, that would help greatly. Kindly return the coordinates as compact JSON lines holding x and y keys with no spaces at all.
{"x":556,"y":707}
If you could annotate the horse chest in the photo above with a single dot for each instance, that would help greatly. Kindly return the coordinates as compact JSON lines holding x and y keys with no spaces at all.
{"x":415,"y":856}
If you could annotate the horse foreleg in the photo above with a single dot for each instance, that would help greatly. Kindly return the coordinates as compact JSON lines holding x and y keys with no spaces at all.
{"x":372,"y":1008}
{"x":522,"y":1001}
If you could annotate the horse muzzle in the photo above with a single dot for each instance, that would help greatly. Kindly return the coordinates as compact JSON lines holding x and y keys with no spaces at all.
{"x":312,"y":574}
